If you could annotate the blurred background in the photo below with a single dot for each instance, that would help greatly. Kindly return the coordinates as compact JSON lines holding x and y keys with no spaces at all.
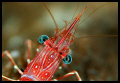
{"x":93,"y":58}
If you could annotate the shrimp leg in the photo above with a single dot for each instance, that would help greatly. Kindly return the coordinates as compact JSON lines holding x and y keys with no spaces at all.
{"x":13,"y":63}
{"x":9,"y":79}
{"x":69,"y":74}
{"x":29,"y":44}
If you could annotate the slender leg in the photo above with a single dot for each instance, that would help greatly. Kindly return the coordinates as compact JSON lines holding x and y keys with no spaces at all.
{"x":9,"y":79}
{"x":69,"y":74}
{"x":29,"y":44}
{"x":13,"y":63}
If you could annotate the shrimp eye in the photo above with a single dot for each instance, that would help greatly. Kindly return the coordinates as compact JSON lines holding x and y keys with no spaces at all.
{"x":67,"y":59}
{"x":43,"y":38}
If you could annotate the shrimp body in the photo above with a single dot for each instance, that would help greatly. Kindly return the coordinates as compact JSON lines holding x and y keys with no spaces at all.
{"x":43,"y":66}
{"x":46,"y":62}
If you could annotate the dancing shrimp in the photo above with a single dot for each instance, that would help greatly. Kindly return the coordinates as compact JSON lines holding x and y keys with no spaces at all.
{"x":46,"y":62}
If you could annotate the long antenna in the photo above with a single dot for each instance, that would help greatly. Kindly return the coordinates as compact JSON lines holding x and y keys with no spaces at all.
{"x":75,"y":11}
{"x":51,"y":14}
{"x":93,"y":12}
{"x":98,"y":36}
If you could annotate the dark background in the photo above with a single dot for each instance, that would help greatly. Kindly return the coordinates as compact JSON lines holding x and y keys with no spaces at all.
{"x":93,"y":58}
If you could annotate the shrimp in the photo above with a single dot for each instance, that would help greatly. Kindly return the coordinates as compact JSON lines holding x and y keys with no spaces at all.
{"x":75,"y":59}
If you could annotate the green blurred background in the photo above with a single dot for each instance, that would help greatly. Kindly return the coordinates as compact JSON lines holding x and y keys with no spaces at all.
{"x":93,"y":58}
